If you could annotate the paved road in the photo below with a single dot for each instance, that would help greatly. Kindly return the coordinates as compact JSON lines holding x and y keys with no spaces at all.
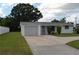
{"x":51,"y":45}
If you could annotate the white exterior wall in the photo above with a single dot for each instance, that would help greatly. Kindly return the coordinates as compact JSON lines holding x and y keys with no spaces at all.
{"x":55,"y":29}
{"x":4,"y":30}
{"x":39,"y":30}
{"x":63,"y":30}
{"x":22,"y":30}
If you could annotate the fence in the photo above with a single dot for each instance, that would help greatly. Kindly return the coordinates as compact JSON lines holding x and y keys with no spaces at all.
{"x":4,"y":30}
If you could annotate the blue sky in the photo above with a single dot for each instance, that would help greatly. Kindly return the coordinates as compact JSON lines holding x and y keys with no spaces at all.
{"x":36,"y":4}
{"x":6,"y":8}
{"x":49,"y":10}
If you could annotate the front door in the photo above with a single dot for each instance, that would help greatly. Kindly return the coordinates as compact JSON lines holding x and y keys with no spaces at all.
{"x":43,"y":30}
{"x":53,"y":28}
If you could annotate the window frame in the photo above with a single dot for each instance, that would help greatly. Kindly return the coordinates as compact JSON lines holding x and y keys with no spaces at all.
{"x":66,"y":27}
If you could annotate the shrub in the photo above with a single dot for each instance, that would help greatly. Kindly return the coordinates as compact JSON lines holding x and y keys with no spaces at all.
{"x":77,"y":30}
{"x":49,"y":30}
{"x":59,"y":30}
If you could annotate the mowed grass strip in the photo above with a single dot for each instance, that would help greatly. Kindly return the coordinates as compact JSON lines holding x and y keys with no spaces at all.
{"x":74,"y":44}
{"x":14,"y":44}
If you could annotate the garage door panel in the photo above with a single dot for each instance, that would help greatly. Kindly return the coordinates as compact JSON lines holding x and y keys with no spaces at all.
{"x":31,"y":30}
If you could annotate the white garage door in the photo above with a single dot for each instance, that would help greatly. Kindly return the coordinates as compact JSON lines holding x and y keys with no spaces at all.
{"x":31,"y":30}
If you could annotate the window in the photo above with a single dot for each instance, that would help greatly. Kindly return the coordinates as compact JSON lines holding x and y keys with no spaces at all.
{"x":66,"y":27}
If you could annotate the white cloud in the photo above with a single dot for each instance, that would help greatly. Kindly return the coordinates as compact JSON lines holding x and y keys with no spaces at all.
{"x":39,"y":1}
{"x":31,"y":1}
{"x":5,"y":8}
{"x":1,"y":13}
{"x":73,"y":18}
{"x":49,"y":11}
{"x":8,"y":4}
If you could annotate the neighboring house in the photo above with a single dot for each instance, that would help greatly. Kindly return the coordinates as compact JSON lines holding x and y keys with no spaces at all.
{"x":3,"y":30}
{"x":77,"y":26}
{"x":40,"y":28}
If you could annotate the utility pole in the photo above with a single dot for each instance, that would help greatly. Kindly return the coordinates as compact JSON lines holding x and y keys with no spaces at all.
{"x":75,"y":21}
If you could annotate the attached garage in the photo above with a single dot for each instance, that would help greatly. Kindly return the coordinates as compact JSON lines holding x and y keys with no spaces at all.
{"x":30,"y":29}
{"x":33,"y":29}
{"x":40,"y":28}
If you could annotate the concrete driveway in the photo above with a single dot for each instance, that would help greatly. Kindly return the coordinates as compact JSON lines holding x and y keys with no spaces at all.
{"x":51,"y":45}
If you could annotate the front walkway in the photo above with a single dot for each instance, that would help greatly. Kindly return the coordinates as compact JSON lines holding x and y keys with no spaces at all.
{"x":51,"y":45}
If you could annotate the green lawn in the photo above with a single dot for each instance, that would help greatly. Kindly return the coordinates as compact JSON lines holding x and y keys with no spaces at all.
{"x":13,"y":44}
{"x":66,"y":35}
{"x":74,"y":44}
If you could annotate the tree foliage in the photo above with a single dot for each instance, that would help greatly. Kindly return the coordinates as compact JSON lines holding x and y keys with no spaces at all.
{"x":6,"y":21}
{"x":0,"y":20}
{"x":63,"y":20}
{"x":59,"y":30}
{"x":20,"y":12}
{"x":25,"y":12}
{"x":55,"y":20}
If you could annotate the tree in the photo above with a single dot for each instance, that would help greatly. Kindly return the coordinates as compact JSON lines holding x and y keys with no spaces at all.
{"x":77,"y":30}
{"x":55,"y":20}
{"x":59,"y":30}
{"x":0,"y":20}
{"x":63,"y":20}
{"x":6,"y":21}
{"x":25,"y":12}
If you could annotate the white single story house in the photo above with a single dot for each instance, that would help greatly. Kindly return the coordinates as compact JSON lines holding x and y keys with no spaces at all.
{"x":77,"y":26}
{"x":40,"y":28}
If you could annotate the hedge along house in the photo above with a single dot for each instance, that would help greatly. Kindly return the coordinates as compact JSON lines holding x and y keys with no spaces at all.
{"x":40,"y":28}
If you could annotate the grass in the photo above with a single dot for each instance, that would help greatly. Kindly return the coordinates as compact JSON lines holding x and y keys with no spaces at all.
{"x":74,"y":44}
{"x":66,"y":35}
{"x":13,"y":44}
